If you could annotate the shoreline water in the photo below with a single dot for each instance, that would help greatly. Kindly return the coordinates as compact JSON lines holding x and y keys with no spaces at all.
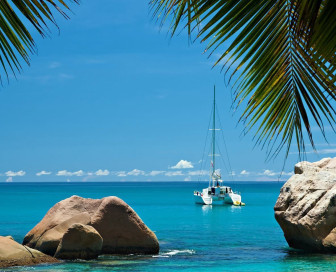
{"x":192,"y":237}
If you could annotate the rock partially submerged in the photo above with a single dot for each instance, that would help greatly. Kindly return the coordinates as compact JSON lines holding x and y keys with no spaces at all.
{"x":15,"y":254}
{"x":50,"y":239}
{"x":80,"y":242}
{"x":122,"y":230}
{"x":306,"y":206}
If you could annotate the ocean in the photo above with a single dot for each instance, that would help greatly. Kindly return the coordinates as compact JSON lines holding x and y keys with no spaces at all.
{"x":192,"y":237}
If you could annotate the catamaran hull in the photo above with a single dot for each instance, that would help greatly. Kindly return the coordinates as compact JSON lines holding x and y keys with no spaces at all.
{"x":213,"y":200}
{"x":203,"y":200}
{"x":199,"y":200}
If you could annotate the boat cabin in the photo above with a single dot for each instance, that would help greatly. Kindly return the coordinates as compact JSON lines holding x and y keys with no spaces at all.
{"x":217,"y":190}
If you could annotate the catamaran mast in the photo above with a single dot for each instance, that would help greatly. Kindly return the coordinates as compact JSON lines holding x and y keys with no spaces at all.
{"x":213,"y":137}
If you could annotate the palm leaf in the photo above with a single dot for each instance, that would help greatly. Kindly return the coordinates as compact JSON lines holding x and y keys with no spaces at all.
{"x":284,"y":54}
{"x":16,"y":42}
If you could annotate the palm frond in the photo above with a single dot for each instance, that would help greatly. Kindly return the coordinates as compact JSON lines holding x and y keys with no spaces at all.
{"x":281,"y":55}
{"x":16,"y":42}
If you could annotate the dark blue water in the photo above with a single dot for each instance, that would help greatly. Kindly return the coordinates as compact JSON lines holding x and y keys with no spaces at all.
{"x":192,"y":237}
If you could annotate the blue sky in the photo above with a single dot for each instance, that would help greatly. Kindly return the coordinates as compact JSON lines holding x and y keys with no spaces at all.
{"x":113,"y":98}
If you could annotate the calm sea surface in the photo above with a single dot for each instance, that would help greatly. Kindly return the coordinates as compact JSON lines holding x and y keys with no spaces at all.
{"x":192,"y":237}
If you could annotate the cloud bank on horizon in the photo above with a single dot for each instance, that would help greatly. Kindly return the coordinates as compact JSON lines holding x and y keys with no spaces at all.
{"x":180,"y":171}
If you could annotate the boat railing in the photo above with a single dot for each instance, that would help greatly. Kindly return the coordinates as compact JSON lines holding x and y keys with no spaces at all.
{"x":198,"y":193}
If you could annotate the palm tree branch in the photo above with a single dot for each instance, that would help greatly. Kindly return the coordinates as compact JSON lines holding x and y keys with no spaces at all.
{"x":285,"y":54}
{"x":16,"y":40}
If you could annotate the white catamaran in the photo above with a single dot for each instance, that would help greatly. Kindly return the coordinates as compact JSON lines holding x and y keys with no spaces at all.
{"x":216,"y":193}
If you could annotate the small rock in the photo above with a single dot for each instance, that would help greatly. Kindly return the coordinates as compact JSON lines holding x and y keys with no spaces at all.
{"x":80,"y":242}
{"x":15,"y":254}
{"x":50,"y":240}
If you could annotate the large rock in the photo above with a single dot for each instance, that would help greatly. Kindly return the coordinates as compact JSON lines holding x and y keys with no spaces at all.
{"x":306,"y":206}
{"x":122,"y":230}
{"x":15,"y":254}
{"x":80,"y":242}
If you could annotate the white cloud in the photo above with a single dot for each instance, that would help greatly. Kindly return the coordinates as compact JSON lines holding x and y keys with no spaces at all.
{"x":15,"y":174}
{"x":69,"y":174}
{"x":78,"y":173}
{"x":121,"y":174}
{"x":245,"y":173}
{"x":9,"y":179}
{"x":43,"y":173}
{"x":101,"y":172}
{"x":269,"y":173}
{"x":187,"y":179}
{"x":287,"y":174}
{"x":327,"y":151}
{"x":183,"y":164}
{"x":174,"y":173}
{"x":63,"y":173}
{"x":155,"y":173}
{"x":136,"y":172}
{"x":198,"y":173}
{"x":233,"y":173}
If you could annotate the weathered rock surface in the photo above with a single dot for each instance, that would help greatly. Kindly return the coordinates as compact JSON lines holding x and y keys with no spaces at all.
{"x":15,"y":254}
{"x":306,"y":206}
{"x":49,"y":241}
{"x":80,"y":242}
{"x":122,"y":230}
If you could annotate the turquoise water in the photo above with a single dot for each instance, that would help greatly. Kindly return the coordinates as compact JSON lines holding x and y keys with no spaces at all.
{"x":192,"y":237}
